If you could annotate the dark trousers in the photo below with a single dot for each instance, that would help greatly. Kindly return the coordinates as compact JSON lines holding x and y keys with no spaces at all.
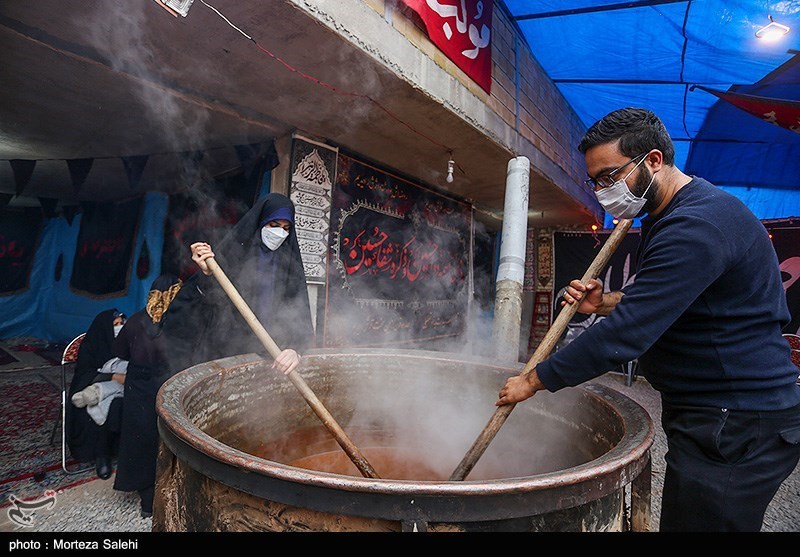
{"x":725,"y":466}
{"x":104,"y":444}
{"x":146,"y":497}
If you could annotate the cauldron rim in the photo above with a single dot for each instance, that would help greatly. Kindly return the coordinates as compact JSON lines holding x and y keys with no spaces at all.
{"x":177,"y":428}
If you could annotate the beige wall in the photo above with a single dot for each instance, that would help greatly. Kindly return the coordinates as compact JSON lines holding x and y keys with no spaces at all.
{"x":525,"y":113}
{"x":522,"y":95}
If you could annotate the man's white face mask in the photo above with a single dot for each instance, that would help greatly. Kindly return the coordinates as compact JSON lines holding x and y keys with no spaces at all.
{"x":273,"y":237}
{"x":117,"y":329}
{"x":618,"y":199}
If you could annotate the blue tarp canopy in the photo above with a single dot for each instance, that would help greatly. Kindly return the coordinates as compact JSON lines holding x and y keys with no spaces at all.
{"x":665,"y":55}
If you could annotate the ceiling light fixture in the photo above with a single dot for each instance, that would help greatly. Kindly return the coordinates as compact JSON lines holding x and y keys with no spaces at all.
{"x":772,"y":31}
{"x":176,"y":7}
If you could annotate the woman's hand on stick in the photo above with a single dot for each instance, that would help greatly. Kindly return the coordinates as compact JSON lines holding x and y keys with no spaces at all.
{"x":200,"y":252}
{"x":287,"y":361}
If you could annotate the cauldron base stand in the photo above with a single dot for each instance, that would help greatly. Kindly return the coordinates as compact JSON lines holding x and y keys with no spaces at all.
{"x":216,"y":507}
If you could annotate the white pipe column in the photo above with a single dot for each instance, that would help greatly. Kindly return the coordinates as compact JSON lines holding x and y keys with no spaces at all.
{"x":511,"y":270}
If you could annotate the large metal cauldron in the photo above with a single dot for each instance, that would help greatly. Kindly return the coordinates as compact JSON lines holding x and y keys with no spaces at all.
{"x":241,"y":449}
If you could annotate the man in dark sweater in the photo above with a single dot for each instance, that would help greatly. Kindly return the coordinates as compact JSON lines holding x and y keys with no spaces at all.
{"x":704,"y":318}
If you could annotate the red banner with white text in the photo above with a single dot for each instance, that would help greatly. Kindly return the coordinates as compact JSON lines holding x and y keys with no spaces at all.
{"x":462,"y":29}
{"x":781,"y":112}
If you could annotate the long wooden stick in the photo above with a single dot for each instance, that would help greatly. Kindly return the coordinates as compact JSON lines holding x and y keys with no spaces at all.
{"x":316,"y":405}
{"x":542,"y":351}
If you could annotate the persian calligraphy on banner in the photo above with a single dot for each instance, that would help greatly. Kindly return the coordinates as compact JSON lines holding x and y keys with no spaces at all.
{"x":105,"y":248}
{"x":313,"y":171}
{"x":19,"y":234}
{"x":399,"y":269}
{"x":462,"y":29}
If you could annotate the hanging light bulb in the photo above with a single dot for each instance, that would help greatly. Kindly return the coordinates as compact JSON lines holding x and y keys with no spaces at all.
{"x":594,"y":235}
{"x":772,"y":31}
{"x":450,"y":166}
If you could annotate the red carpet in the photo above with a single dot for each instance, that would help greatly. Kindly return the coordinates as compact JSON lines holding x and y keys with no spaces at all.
{"x":29,"y":464}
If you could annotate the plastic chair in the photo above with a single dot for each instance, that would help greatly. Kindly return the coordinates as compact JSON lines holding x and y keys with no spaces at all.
{"x":794,"y":344}
{"x":69,"y":357}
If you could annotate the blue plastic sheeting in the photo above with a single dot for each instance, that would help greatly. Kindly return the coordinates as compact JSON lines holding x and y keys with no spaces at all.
{"x":605,"y":55}
{"x":767,"y":203}
{"x":49,"y":309}
{"x":765,"y":155}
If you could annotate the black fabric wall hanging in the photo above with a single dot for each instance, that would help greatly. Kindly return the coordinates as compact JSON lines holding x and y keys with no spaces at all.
{"x":20,"y":229}
{"x":104,"y":250}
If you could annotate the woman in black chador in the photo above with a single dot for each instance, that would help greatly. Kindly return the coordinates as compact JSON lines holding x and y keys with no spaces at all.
{"x":261,"y":257}
{"x":88,"y":441}
{"x":143,"y":345}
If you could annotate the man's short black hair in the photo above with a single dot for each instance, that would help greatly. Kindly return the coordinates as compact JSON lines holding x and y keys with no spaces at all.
{"x":638,"y":131}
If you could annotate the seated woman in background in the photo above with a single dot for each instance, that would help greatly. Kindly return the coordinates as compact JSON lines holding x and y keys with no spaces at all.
{"x":87,"y":439}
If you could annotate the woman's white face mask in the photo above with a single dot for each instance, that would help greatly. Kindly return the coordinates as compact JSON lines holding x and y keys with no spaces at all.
{"x":117,"y":329}
{"x":273,"y":237}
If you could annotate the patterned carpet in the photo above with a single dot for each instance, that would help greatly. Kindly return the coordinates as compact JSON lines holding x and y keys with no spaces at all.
{"x":6,"y":357}
{"x":29,"y":463}
{"x":24,"y":353}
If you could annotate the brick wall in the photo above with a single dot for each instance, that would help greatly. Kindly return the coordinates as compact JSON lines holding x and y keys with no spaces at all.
{"x":522,"y":93}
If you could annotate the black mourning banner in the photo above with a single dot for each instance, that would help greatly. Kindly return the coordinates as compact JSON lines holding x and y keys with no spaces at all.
{"x":103,"y":255}
{"x":399,"y":260}
{"x":19,"y":236}
{"x":574,"y":252}
{"x":23,"y":170}
{"x":205,"y":214}
{"x":787,"y":245}
{"x":189,"y":222}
